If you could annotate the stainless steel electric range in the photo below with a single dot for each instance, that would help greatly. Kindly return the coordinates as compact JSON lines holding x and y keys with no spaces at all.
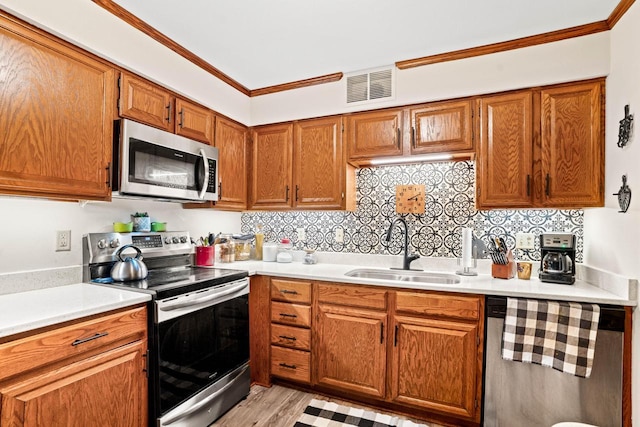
{"x":198,"y":325}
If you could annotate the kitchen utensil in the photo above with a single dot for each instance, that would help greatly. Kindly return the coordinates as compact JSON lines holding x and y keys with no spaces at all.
{"x":128,"y":269}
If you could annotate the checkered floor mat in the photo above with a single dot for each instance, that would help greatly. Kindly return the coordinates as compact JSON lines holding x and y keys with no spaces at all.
{"x":320,"y":413}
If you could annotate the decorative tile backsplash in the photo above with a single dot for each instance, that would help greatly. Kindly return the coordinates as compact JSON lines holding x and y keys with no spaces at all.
{"x":450,"y":188}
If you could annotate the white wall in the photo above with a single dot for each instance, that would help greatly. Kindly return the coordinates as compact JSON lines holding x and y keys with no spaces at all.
{"x":612,"y":239}
{"x":567,"y":60}
{"x":29,"y":227}
{"x":86,"y":24}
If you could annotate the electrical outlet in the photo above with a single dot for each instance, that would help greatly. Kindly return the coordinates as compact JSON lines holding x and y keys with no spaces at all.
{"x":525,"y":241}
{"x":302,"y":236}
{"x":339,"y":235}
{"x":63,"y":240}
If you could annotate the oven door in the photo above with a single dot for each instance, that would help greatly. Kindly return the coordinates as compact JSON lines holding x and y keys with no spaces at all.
{"x":160,"y":164}
{"x":203,"y":353}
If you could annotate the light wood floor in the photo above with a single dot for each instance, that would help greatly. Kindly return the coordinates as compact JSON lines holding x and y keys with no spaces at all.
{"x":278,"y":407}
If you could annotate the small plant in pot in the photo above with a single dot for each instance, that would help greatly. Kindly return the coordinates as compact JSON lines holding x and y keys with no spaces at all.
{"x":141,"y":221}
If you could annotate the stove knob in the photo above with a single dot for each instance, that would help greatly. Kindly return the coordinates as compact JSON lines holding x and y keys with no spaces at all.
{"x":102,"y":243}
{"x":183,"y":239}
{"x":167,"y":240}
{"x":175,"y":240}
{"x":115,"y":243}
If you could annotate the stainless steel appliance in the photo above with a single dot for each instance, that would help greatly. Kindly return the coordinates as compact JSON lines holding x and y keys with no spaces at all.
{"x":152,"y":163}
{"x":529,"y":395}
{"x":558,"y":258}
{"x":198,"y":325}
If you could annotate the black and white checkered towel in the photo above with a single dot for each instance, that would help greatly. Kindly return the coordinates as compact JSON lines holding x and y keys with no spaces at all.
{"x":557,"y":334}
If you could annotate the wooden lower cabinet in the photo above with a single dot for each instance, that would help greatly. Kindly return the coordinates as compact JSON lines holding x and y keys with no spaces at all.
{"x":434,"y":365}
{"x":351,"y":349}
{"x":88,"y":373}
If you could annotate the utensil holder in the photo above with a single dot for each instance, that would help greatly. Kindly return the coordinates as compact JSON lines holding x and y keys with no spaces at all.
{"x":503,"y":271}
{"x":205,"y":255}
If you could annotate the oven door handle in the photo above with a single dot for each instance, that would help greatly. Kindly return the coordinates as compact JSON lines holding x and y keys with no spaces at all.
{"x":206,"y":401}
{"x":205,"y":183}
{"x":206,"y":299}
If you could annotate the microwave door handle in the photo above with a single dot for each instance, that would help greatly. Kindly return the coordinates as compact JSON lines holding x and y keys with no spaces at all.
{"x":205,"y":184}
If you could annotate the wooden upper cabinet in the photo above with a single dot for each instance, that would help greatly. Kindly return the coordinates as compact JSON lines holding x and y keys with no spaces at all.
{"x":271,"y":170}
{"x":505,"y":153}
{"x":442,"y":126}
{"x":193,"y":121}
{"x":351,"y":349}
{"x":56,"y":112}
{"x":319,"y":164}
{"x":374,"y":134}
{"x":145,"y":102}
{"x":572,"y":146}
{"x":232,"y":144}
{"x":435,"y":366}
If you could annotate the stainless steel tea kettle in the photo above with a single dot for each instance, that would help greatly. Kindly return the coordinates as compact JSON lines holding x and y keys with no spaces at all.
{"x":128,"y":269}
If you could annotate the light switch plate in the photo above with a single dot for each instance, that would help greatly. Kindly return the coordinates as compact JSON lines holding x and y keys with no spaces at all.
{"x":339,"y":235}
{"x":525,"y":241}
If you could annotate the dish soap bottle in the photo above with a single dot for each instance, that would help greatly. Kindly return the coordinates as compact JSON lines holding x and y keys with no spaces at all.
{"x":259,"y":240}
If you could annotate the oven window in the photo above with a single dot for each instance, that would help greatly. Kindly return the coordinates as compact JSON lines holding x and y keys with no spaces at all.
{"x":200,"y":347}
{"x":164,"y":167}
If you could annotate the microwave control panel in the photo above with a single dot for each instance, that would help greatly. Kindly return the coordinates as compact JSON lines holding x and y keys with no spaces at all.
{"x":211,"y":185}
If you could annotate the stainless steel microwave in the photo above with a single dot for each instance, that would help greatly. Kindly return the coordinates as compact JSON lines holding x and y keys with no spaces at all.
{"x":152,"y":163}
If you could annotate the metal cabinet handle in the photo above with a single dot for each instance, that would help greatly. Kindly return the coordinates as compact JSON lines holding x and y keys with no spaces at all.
{"x":284,"y":337}
{"x":181,"y":118}
{"x":287,"y":194}
{"x":284,"y":365}
{"x":297,"y":188}
{"x":293,"y":316}
{"x":547,"y":185}
{"x":382,"y":333}
{"x":108,"y":175}
{"x":413,"y":137}
{"x":398,"y":137}
{"x":395,"y":337}
{"x":91,"y":338}
{"x":528,"y":185}
{"x":287,"y":291}
{"x":169,"y":113}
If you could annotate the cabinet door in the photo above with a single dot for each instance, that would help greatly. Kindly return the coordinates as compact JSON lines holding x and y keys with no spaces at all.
{"x":231,"y":140}
{"x":505,"y":155}
{"x":572,"y":151}
{"x":351,"y":349}
{"x":441,"y":127}
{"x":109,"y":389}
{"x":146,"y":103}
{"x":374,"y":134}
{"x":319,"y":163}
{"x":435,"y":366}
{"x":271,"y":172}
{"x":56,"y":112}
{"x":193,"y":121}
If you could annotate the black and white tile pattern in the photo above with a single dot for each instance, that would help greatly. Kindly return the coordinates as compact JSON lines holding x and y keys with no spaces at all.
{"x":449,"y":207}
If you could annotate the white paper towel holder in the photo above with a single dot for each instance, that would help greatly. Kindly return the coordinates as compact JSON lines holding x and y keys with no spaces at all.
{"x":472,"y":248}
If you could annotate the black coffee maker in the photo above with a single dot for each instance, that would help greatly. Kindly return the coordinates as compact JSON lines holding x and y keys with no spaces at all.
{"x":558,"y":257}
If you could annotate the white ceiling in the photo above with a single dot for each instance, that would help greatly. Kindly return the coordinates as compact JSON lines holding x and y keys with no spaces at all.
{"x":261,"y":43}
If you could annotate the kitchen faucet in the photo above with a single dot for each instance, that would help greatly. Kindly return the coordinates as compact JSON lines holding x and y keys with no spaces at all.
{"x":406,"y":262}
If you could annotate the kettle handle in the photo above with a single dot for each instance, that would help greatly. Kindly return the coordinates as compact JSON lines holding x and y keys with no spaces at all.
{"x":119,"y":252}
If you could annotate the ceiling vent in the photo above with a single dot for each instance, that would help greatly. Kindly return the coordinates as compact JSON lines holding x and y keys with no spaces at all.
{"x":371,"y":85}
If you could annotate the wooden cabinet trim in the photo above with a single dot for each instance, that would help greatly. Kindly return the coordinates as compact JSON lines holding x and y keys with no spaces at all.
{"x":441,"y":126}
{"x":355,"y":296}
{"x":193,"y":121}
{"x":291,"y":336}
{"x":291,"y":314}
{"x":374,"y":133}
{"x":291,"y":291}
{"x":439,"y":305}
{"x":291,"y":364}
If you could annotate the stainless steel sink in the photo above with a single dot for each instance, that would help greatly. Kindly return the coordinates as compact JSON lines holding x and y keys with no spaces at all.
{"x":405,"y":276}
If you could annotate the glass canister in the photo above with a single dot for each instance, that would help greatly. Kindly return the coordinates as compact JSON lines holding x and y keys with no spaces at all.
{"x":242,"y":249}
{"x":284,"y":250}
{"x":259,"y":241}
{"x":226,"y":248}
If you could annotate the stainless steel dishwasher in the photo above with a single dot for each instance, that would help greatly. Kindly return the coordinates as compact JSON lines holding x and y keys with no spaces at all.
{"x":529,"y":395}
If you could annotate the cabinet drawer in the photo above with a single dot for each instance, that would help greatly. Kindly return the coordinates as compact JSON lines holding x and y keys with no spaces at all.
{"x":291,"y":364}
{"x":291,"y":291}
{"x":291,"y":314}
{"x":355,"y":296}
{"x":67,"y":342}
{"x":429,"y":304}
{"x":289,"y":336}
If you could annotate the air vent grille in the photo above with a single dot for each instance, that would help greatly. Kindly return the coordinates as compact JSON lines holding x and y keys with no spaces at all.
{"x":370,"y":86}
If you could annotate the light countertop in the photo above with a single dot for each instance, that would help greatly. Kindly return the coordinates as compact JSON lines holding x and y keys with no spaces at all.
{"x":581,"y":291}
{"x":24,"y":311}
